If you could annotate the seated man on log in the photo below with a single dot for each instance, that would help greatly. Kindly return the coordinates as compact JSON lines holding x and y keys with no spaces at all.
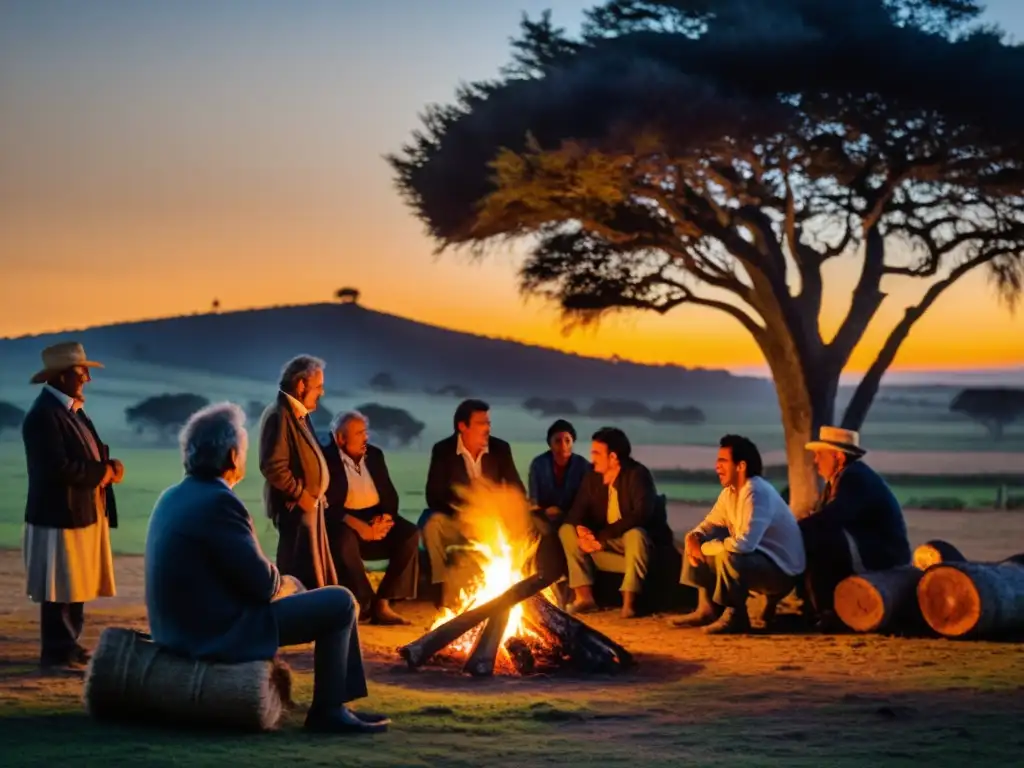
{"x":554,"y":480}
{"x":470,"y":453}
{"x":212,"y":595}
{"x":856,"y":526}
{"x":616,"y":512}
{"x":363,"y":522}
{"x":749,"y":542}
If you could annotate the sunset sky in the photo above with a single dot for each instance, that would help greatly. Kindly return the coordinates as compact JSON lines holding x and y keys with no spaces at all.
{"x":154,"y":156}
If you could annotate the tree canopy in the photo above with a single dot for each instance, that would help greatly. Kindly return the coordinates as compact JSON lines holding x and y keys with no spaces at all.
{"x":164,"y":414}
{"x":992,"y":407}
{"x":722,"y":152}
{"x":11,"y":416}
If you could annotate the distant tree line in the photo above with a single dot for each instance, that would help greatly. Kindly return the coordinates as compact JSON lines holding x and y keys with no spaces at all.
{"x":11,"y":417}
{"x":612,"y":408}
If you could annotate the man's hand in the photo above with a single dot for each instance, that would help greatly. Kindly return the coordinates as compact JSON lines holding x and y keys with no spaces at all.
{"x":108,"y":475}
{"x":380,"y":526}
{"x":289,"y":586}
{"x":552,"y":512}
{"x":587,"y":541}
{"x":693,"y":553}
{"x":118,"y":470}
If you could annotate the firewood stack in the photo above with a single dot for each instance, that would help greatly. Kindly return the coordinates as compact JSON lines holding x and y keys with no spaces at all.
{"x":563,"y":639}
{"x":941,"y":592}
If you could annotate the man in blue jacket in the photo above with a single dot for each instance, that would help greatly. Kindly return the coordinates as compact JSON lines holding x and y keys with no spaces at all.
{"x":857,"y":525}
{"x":211,"y":593}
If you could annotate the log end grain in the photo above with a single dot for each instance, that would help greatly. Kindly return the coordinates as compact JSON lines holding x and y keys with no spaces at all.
{"x":949,"y":601}
{"x":859,"y":604}
{"x":934,"y":552}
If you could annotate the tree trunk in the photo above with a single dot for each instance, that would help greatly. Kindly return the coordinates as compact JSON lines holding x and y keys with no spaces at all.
{"x":973,"y":599}
{"x":806,"y":402}
{"x":995,"y":429}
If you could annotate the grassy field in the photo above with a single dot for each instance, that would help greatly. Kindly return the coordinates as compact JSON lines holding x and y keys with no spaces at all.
{"x":150,"y":470}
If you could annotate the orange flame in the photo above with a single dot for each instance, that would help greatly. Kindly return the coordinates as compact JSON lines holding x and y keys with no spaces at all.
{"x":495,"y":521}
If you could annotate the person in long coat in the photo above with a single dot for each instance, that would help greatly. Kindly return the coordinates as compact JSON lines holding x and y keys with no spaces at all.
{"x":70,"y":508}
{"x":297,"y":475}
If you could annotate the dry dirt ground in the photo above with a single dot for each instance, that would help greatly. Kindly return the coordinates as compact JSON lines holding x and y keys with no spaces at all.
{"x":755,"y":700}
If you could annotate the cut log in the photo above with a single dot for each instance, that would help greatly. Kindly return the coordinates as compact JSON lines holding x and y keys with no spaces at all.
{"x":936,"y":551}
{"x":582,"y":645}
{"x":521,"y":654}
{"x":973,"y":599}
{"x":485,"y":650}
{"x":418,"y":651}
{"x":878,"y":600}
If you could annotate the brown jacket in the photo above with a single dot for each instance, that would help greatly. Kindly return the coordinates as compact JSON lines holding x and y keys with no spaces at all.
{"x":290,"y":461}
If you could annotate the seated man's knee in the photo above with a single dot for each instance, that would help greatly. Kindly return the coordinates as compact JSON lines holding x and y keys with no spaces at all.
{"x":340,"y":601}
{"x":636,"y":539}
{"x":433,"y":526}
{"x":567,"y":534}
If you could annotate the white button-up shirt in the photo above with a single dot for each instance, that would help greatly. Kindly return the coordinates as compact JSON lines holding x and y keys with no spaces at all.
{"x":362,"y":492}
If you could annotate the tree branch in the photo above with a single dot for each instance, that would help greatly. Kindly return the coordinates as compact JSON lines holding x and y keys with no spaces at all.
{"x":864,"y":395}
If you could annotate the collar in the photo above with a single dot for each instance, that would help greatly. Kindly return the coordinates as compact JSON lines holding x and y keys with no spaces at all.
{"x":300,"y":410}
{"x":347,"y":460}
{"x":461,"y":450}
{"x":67,"y":401}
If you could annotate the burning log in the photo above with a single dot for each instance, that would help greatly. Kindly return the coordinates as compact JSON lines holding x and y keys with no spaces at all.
{"x":418,"y":651}
{"x":936,"y":551}
{"x":485,"y":650}
{"x":583,"y":645}
{"x":874,"y":601}
{"x":973,"y":599}
{"x":521,"y":654}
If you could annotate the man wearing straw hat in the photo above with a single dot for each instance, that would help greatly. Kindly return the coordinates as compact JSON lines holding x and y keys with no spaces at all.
{"x":70,"y":508}
{"x":857,"y":525}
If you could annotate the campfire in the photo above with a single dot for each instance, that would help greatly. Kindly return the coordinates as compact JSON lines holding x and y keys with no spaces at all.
{"x":505,"y":621}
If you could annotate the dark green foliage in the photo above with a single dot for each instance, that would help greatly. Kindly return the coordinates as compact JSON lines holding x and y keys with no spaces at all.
{"x":994,"y":407}
{"x":390,"y":425}
{"x":11,"y":416}
{"x":164,"y":414}
{"x":556,"y":406}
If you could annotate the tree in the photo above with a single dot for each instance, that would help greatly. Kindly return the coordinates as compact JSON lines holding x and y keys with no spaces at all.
{"x":11,"y":416}
{"x":392,"y":425}
{"x":383,"y":382}
{"x":347,"y":295}
{"x":994,"y":407}
{"x":164,"y":414}
{"x":724,"y":153}
{"x":554,"y":406}
{"x":254,"y":411}
{"x":215,"y":306}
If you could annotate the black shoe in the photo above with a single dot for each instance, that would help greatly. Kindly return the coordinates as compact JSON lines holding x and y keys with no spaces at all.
{"x":66,"y":662}
{"x":342,"y":720}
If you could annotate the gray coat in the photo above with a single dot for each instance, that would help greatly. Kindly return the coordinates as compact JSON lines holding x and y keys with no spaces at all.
{"x":208,"y":583}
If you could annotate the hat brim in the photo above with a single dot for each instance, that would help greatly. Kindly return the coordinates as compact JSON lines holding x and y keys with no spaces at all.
{"x":46,"y":373}
{"x":817,"y":445}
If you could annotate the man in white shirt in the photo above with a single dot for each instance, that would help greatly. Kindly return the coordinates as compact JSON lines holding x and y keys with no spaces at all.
{"x":749,"y":542}
{"x":363,"y":522}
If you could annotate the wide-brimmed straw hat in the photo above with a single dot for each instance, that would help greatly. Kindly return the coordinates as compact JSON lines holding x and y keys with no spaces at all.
{"x":60,"y":357}
{"x":837,"y":439}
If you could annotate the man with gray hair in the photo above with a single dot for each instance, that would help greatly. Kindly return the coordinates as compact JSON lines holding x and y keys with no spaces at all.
{"x":363,"y":521}
{"x":296,"y":473}
{"x":211,"y":593}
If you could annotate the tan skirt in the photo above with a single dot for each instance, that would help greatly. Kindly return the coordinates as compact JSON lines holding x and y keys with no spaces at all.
{"x":69,"y":565}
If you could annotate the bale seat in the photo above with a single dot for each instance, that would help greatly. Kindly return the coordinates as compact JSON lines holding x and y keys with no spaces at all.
{"x":130,"y":678}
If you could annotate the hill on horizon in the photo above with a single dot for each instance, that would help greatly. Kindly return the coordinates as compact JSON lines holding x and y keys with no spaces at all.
{"x":359,"y":343}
